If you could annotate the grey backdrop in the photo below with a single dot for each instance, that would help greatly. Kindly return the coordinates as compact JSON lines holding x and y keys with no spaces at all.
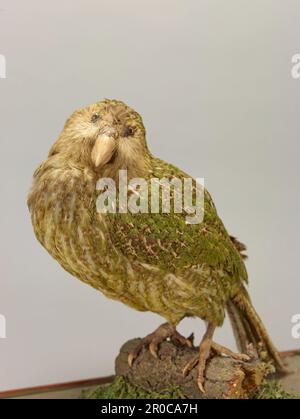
{"x":213,"y":82}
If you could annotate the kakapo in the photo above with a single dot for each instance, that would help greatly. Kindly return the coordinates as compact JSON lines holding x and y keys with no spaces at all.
{"x":150,"y":261}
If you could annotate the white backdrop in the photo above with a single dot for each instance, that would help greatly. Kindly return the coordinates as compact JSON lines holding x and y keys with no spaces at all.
{"x":213,"y":82}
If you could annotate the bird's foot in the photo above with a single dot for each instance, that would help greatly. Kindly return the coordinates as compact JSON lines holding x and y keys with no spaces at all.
{"x":153,"y":340}
{"x":206,"y":347}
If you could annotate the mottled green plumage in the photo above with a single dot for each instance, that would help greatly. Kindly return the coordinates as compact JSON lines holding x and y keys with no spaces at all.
{"x":205,"y":266}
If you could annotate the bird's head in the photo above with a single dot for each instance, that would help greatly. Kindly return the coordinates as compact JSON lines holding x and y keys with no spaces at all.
{"x":107,"y":134}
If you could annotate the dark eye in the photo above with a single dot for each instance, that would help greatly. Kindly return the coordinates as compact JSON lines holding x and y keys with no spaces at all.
{"x":95,"y":117}
{"x":128,"y":132}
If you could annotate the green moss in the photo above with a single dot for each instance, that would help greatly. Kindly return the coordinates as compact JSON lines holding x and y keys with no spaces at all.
{"x":272,"y":390}
{"x":122,"y":389}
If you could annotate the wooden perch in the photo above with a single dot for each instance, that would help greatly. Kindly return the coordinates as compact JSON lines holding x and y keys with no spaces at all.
{"x":225,"y":378}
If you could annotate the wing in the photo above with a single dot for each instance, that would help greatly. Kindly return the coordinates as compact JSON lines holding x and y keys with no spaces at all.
{"x":167,"y":242}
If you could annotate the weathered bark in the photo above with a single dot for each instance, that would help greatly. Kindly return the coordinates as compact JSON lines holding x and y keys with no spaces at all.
{"x":225,"y":378}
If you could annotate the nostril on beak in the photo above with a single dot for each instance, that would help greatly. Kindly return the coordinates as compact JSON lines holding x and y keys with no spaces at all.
{"x":109,"y":131}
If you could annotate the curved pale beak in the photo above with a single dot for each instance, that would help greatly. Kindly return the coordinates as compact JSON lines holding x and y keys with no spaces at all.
{"x":104,"y":147}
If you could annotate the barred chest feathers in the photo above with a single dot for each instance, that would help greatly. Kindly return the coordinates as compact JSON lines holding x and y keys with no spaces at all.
{"x":63,"y":210}
{"x":61,"y":203}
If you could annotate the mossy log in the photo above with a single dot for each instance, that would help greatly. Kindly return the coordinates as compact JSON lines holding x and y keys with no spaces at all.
{"x":225,"y":378}
{"x":151,"y":378}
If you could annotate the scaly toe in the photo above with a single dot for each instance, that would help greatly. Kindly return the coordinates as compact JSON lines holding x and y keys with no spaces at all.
{"x":190,"y":365}
{"x":153,"y":348}
{"x":134,"y":353}
{"x":200,"y":384}
{"x":221,"y":350}
{"x":178,"y":338}
{"x":152,"y":342}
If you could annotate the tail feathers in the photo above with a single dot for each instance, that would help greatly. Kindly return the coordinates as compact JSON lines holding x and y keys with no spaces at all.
{"x":249,"y":329}
{"x":241,"y":247}
{"x":241,"y":328}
